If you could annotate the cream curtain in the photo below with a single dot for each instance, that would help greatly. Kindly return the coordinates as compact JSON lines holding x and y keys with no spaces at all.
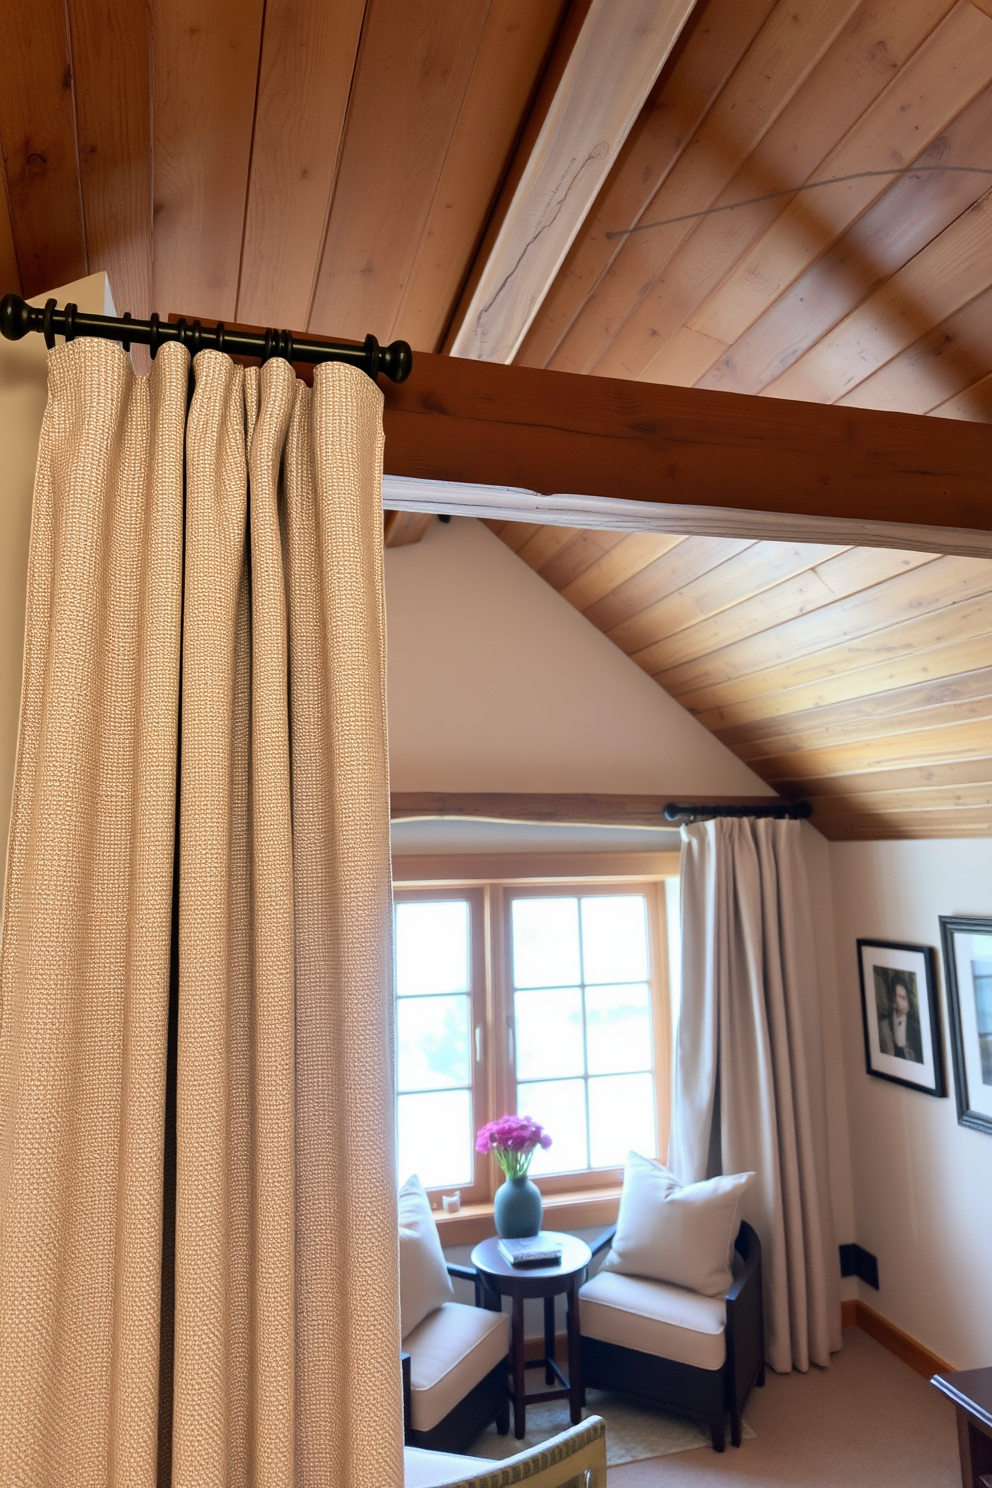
{"x":282,"y":1364}
{"x":749,"y":1075}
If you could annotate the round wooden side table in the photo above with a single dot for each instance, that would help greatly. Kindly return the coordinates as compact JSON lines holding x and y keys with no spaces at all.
{"x":500,"y":1279}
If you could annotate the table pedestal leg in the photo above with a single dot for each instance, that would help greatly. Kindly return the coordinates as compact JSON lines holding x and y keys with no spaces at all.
{"x":549,"y":1339}
{"x":574,"y":1354}
{"x":519,"y":1375}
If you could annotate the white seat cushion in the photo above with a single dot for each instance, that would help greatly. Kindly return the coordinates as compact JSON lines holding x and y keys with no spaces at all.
{"x":654,"y":1318}
{"x":423,"y":1469}
{"x":450,"y":1352}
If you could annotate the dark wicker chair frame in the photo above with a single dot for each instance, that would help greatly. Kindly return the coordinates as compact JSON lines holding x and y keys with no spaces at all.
{"x":487,"y":1401}
{"x":709,"y":1394}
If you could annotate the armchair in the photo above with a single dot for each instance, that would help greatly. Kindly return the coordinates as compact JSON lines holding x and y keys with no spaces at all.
{"x":576,"y":1458}
{"x":455,"y":1378}
{"x":674,"y":1348}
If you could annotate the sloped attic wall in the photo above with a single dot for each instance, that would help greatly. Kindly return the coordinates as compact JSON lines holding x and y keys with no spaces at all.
{"x":497,"y":684}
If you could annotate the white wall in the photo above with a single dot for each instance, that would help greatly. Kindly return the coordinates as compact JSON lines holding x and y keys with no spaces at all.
{"x":496,"y":683}
{"x":922,"y":1183}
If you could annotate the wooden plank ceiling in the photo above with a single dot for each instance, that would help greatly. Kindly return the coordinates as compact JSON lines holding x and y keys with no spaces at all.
{"x":429,"y":169}
{"x":857,"y":678}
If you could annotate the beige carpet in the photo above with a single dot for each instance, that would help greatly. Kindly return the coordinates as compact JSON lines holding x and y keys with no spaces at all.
{"x":867,"y":1420}
{"x":633,"y":1432}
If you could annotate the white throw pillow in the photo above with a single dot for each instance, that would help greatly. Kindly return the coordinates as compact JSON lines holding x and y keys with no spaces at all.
{"x":424,"y":1281}
{"x":683,"y":1236}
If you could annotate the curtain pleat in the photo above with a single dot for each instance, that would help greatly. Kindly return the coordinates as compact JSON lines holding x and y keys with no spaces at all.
{"x":246,"y":649}
{"x":287,"y":1331}
{"x":749,"y":1078}
{"x":347,"y":1250}
{"x":84,"y":976}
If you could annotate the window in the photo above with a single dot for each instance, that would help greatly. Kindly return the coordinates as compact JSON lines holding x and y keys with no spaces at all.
{"x":549,"y":999}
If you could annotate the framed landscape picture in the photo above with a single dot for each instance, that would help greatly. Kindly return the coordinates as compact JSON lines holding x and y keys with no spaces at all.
{"x":968,"y":968}
{"x":901,"y":1014}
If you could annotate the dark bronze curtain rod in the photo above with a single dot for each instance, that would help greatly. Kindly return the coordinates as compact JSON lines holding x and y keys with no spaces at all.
{"x":780,"y":810}
{"x":17,"y":318}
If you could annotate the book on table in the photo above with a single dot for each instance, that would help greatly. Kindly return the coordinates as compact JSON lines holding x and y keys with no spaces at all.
{"x":537,"y":1250}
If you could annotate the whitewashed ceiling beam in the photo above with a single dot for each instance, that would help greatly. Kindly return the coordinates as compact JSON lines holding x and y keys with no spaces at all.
{"x":613,"y":66}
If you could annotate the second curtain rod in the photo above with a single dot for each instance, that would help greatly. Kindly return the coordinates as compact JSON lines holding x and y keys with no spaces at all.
{"x":18,"y":318}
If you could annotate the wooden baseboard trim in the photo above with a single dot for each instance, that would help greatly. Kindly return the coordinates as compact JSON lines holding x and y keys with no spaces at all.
{"x":857,"y":1314}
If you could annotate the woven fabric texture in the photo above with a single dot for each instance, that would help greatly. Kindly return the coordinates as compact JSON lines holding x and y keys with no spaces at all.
{"x":286,"y":1335}
{"x":84,"y":975}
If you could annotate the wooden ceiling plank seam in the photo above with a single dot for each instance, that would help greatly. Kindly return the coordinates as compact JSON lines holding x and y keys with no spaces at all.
{"x":899,"y":827}
{"x":951,"y":270}
{"x":863,"y":63}
{"x":205,"y":87}
{"x":419,"y":54}
{"x":720,"y":34}
{"x":825,"y":737}
{"x":10,"y":274}
{"x":306,"y":66}
{"x":38,"y":141}
{"x":545,"y":544}
{"x":620,"y":51}
{"x":948,"y":70}
{"x":886,"y":236}
{"x":516,"y":534}
{"x":856,"y":574}
{"x":898,"y":705}
{"x":773,"y":68}
{"x":923,"y":746}
{"x":632,"y":554}
{"x":899,"y":650}
{"x":741,"y":578}
{"x":669,"y":573}
{"x":953,"y":355}
{"x":973,"y":403}
{"x":938,"y":585}
{"x":920,"y":799}
{"x":577,"y":557}
{"x":513,"y":51}
{"x":900,"y":778}
{"x":860,"y":682}
{"x":111,"y":67}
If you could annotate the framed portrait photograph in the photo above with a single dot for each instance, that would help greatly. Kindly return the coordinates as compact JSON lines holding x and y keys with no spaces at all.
{"x":901,"y":1014}
{"x":967,"y":947}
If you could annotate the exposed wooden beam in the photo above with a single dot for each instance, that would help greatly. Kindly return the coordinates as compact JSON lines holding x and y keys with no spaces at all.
{"x":583,"y":810}
{"x":400,"y":529}
{"x":611,"y":69}
{"x":728,"y":462}
{"x":724,"y":454}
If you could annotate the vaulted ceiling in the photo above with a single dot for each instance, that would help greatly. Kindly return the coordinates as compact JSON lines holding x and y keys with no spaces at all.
{"x":786,"y":198}
{"x":859,"y":679}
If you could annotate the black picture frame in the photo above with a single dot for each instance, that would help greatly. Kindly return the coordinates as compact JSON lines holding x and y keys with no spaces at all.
{"x":914,"y":966}
{"x":966,"y":1024}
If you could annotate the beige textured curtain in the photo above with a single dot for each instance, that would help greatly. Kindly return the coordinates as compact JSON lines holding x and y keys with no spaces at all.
{"x":283,"y":1365}
{"x":749,"y":1075}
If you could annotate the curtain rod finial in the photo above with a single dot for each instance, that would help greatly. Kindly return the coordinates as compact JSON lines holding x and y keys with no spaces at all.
{"x":15,"y":317}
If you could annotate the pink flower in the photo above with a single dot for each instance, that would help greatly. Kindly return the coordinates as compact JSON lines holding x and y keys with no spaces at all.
{"x":512,"y":1140}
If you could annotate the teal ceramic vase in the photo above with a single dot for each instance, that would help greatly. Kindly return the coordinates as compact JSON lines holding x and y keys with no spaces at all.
{"x":517,"y":1209}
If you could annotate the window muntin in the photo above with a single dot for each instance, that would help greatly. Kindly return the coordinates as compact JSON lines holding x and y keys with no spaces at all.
{"x":584,"y":1052}
{"x":569,"y":1045}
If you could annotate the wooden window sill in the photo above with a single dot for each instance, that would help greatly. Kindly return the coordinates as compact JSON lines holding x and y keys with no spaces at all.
{"x":562,"y":1211}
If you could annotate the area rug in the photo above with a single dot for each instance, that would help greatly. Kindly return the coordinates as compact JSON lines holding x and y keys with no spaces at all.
{"x":633,"y":1432}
